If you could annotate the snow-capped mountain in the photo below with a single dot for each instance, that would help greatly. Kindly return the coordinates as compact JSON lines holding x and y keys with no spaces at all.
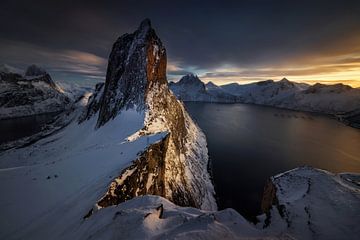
{"x":339,"y":100}
{"x":265,"y":91}
{"x":329,"y":99}
{"x":33,"y":93}
{"x":136,"y":79}
{"x":132,"y":138}
{"x":191,"y":88}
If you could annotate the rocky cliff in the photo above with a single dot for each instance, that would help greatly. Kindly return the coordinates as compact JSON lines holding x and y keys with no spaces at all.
{"x":175,"y":167}
{"x":33,"y":93}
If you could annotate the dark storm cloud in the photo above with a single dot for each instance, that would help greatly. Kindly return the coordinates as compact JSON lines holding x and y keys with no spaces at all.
{"x":76,"y":36}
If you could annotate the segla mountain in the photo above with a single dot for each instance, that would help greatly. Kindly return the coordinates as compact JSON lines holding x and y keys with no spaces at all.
{"x":132,"y":138}
{"x":175,"y":167}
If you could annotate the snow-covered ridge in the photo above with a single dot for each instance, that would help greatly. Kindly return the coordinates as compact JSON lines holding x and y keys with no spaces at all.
{"x":309,"y":203}
{"x":33,"y":93}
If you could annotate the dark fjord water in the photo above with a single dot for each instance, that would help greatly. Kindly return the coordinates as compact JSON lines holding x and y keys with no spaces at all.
{"x":12,"y":129}
{"x":248,"y":144}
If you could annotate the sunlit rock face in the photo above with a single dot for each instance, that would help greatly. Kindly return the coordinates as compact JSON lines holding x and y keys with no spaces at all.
{"x":176,"y":167}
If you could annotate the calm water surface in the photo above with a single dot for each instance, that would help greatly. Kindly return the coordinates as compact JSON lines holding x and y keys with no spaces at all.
{"x":248,"y":144}
{"x":12,"y":129}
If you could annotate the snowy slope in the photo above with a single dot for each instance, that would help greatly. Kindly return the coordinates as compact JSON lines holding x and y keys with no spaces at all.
{"x":33,"y":93}
{"x":65,"y":174}
{"x":314,"y":204}
{"x":307,"y":204}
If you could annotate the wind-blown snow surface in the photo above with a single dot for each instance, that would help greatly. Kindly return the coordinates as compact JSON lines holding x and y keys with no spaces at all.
{"x":316,"y":204}
{"x":311,"y":204}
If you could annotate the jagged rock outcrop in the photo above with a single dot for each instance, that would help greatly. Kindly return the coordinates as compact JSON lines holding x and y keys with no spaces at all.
{"x":136,"y":79}
{"x":34,"y":93}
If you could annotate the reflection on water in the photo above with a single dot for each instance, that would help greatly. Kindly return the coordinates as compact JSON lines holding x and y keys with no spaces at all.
{"x":248,"y":144}
{"x":12,"y":129}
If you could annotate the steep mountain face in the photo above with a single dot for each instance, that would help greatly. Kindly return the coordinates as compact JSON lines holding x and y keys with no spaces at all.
{"x":137,"y":62}
{"x":176,"y":167}
{"x":191,"y":88}
{"x":34,"y":93}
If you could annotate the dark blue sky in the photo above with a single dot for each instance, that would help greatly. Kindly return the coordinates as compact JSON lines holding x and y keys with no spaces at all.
{"x":222,"y":41}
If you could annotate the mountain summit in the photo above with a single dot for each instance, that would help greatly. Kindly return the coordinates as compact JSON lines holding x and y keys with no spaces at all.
{"x":176,"y":166}
{"x":136,"y":62}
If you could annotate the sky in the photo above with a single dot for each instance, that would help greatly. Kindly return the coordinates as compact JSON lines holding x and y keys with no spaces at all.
{"x":220,"y":41}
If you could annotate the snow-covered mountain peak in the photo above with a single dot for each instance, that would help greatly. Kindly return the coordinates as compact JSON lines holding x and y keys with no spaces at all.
{"x":30,"y":94}
{"x":145,"y":25}
{"x":174,"y":166}
{"x":190,"y":79}
{"x":136,"y":61}
{"x":335,"y":88}
{"x":5,"y":68}
{"x":34,"y":70}
{"x":266,"y":82}
{"x":211,"y":85}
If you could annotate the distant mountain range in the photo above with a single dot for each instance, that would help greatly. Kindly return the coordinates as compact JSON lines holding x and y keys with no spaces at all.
{"x":29,"y":93}
{"x":339,"y":100}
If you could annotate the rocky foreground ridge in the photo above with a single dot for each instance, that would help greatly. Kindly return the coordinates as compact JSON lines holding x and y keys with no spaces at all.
{"x":304,"y":203}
